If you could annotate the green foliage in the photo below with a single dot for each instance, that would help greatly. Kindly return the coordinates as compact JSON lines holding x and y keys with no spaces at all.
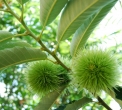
{"x":18,"y":55}
{"x":82,"y":34}
{"x":118,"y":93}
{"x":73,"y":18}
{"x":16,"y":95}
{"x":22,"y":1}
{"x":5,"y":36}
{"x":14,"y":43}
{"x":23,"y":39}
{"x":47,"y":101}
{"x":75,"y":105}
{"x":50,"y":9}
{"x":78,"y":104}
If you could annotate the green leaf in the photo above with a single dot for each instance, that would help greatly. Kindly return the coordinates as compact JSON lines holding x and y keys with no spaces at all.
{"x":49,"y":9}
{"x":18,"y":55}
{"x":5,"y":36}
{"x":82,"y":34}
{"x":78,"y":104}
{"x":14,"y":43}
{"x":117,"y":95}
{"x":48,"y":100}
{"x":22,"y":1}
{"x":62,"y":107}
{"x":75,"y":13}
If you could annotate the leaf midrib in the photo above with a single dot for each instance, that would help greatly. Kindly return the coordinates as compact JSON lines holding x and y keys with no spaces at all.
{"x":49,"y":12}
{"x":5,"y":39}
{"x":84,"y":33}
{"x":87,"y":30}
{"x":75,"y":19}
{"x":23,"y":61}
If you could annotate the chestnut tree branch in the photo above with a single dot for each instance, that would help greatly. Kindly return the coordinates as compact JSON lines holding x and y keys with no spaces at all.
{"x":35,"y":37}
{"x":103,"y":103}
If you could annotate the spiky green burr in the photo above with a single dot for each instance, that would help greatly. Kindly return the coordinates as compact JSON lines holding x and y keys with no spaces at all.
{"x":42,"y":77}
{"x":95,"y":70}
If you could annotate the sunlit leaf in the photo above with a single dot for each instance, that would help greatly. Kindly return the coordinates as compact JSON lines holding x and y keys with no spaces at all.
{"x":76,"y":13}
{"x":18,"y":55}
{"x":13,"y":43}
{"x":22,"y":1}
{"x":78,"y":104}
{"x":5,"y":36}
{"x":49,"y":9}
{"x":117,"y":95}
{"x":82,"y":34}
{"x":48,"y":100}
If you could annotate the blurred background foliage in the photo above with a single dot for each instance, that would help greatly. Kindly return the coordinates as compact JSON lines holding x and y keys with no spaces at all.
{"x":14,"y":94}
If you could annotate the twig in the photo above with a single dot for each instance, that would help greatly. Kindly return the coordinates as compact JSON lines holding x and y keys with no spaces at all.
{"x":103,"y":103}
{"x":44,"y":47}
{"x":39,"y":37}
{"x":21,"y":18}
{"x":10,"y":10}
{"x":54,"y":55}
{"x":5,"y":10}
{"x":23,"y":34}
{"x":34,"y":37}
{"x":56,"y":48}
